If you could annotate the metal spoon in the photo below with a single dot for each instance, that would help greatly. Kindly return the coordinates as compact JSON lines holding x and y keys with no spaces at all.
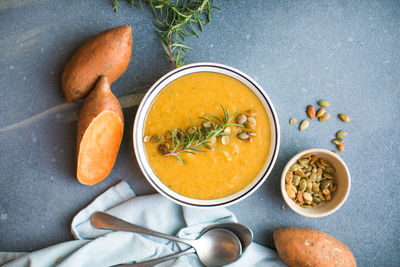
{"x":244,"y":234}
{"x":216,"y":247}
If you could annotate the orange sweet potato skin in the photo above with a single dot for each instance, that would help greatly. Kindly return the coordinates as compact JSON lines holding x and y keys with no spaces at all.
{"x":108,"y":53}
{"x":306,"y":247}
{"x":99,"y":100}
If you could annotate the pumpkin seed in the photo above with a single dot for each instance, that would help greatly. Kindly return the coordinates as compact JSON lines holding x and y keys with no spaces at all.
{"x":328,"y":197}
{"x":307,"y":197}
{"x":206,"y":124}
{"x":316,"y":200}
{"x":336,"y":152}
{"x":303,"y":162}
{"x":146,"y":138}
{"x":225,"y":139}
{"x":324,"y":162}
{"x":321,"y":112}
{"x":326,"y":183}
{"x":315,"y":187}
{"x":192,"y":130}
{"x":299,"y":172}
{"x":252,"y":121}
{"x":283,"y":207}
{"x":300,"y":196}
{"x":296,"y":180}
{"x":163,"y":148}
{"x":241,"y":118}
{"x":337,"y":141}
{"x":324,"y":103}
{"x":313,"y":158}
{"x":311,"y":111}
{"x":303,"y":185}
{"x":292,"y":121}
{"x":213,"y":140}
{"x":313,"y":176}
{"x":291,"y":194}
{"x":294,"y":167}
{"x":326,"y":191}
{"x":341,"y":134}
{"x":325,"y":117}
{"x":330,"y":170}
{"x":340,"y":147}
{"x":304,"y":125}
{"x":344,"y":117}
{"x":243,"y":135}
{"x":318,"y":178}
{"x":155,"y":138}
{"x":289,"y":177}
{"x":252,"y":134}
{"x":309,"y":185}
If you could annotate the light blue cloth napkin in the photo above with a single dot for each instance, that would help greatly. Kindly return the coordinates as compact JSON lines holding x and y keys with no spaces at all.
{"x":96,"y":247}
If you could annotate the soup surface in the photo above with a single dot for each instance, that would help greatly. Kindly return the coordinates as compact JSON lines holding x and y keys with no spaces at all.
{"x":215,"y":173}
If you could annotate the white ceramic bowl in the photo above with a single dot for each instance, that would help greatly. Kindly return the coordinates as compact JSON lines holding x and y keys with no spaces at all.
{"x":141,"y":115}
{"x":342,"y":179}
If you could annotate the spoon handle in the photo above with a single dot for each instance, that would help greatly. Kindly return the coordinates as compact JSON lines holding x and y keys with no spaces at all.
{"x":106,"y":221}
{"x":150,"y":263}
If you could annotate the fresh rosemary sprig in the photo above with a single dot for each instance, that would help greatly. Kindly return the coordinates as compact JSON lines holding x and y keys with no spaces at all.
{"x":185,"y":142}
{"x":176,"y":20}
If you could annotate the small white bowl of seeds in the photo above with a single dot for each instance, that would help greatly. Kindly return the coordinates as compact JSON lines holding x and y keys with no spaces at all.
{"x":315,"y":183}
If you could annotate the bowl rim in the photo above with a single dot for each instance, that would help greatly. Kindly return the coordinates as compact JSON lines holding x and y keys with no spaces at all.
{"x":291,"y":203}
{"x":141,"y":114}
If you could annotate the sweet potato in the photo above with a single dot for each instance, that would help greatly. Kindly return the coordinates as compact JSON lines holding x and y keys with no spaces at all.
{"x":306,"y":247}
{"x":108,"y":53}
{"x":100,"y":130}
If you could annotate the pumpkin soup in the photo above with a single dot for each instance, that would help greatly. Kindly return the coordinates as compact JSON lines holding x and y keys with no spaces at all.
{"x":232,"y":153}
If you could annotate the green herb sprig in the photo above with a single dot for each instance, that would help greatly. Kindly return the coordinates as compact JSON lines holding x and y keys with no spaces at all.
{"x":184,"y":142}
{"x":176,"y":20}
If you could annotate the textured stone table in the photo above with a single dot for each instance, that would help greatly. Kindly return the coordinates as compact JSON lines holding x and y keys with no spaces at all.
{"x":300,"y":51}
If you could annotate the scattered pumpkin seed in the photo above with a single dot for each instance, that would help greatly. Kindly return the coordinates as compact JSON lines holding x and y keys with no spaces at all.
{"x":334,"y":151}
{"x":316,"y":200}
{"x":341,"y":134}
{"x":225,"y":139}
{"x":227,"y":130}
{"x":325,"y":117}
{"x":311,"y":111}
{"x":340,"y":147}
{"x":283,"y":207}
{"x":296,"y":180}
{"x":304,"y":125}
{"x":163,"y":148}
{"x":155,"y":138}
{"x":146,"y":138}
{"x":321,"y":112}
{"x":292,"y":121}
{"x":294,"y":167}
{"x":344,"y":117}
{"x":337,"y":141}
{"x":324,"y":103}
{"x":241,"y":118}
{"x":206,"y":124}
{"x":243,"y":135}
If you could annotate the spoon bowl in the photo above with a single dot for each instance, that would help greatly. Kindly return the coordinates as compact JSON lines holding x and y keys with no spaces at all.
{"x":242,"y":232}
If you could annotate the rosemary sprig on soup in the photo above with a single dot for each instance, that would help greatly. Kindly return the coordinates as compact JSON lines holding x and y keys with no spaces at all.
{"x":196,"y":139}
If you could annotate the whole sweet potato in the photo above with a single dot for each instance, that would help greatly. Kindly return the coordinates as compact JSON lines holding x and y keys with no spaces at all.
{"x":100,"y":130}
{"x":108,"y":53}
{"x":306,"y":247}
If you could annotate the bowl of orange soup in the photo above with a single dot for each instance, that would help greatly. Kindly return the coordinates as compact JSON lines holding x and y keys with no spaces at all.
{"x":206,"y":135}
